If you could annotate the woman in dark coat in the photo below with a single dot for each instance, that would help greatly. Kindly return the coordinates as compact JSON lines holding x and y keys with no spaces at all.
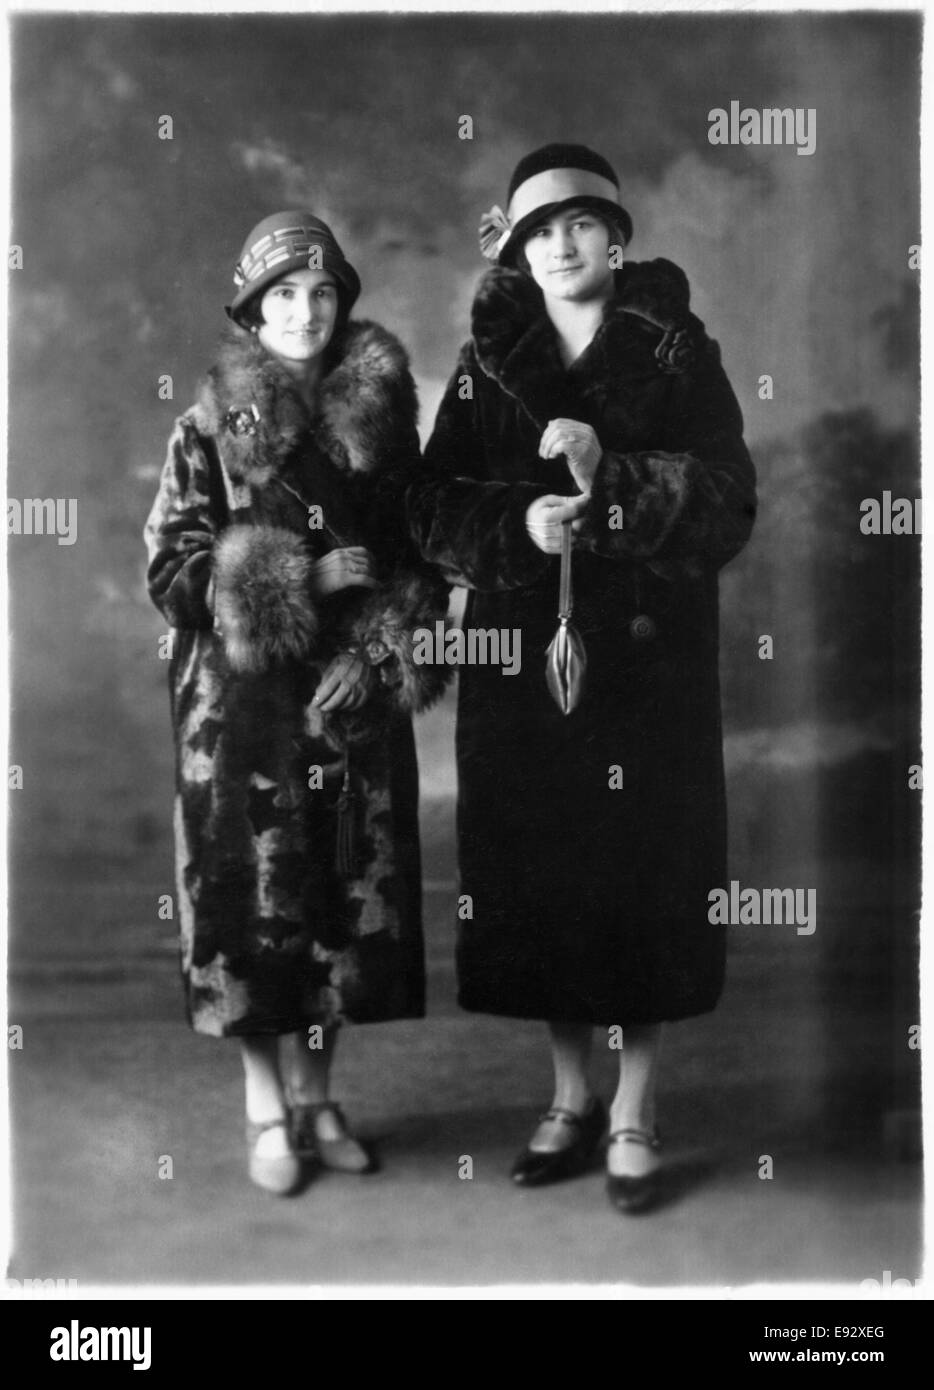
{"x":588,"y":842}
{"x":292,"y":590}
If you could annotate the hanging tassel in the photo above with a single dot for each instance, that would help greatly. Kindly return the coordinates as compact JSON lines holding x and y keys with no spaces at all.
{"x":346,"y":861}
{"x":566,"y":658}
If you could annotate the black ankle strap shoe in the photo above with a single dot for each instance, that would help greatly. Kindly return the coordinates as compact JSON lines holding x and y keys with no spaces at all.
{"x":638,"y":1194}
{"x":536,"y":1168}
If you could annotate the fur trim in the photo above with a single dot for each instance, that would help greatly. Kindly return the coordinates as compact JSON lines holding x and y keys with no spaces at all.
{"x":246,"y":376}
{"x":653,"y":488}
{"x":381,"y":625}
{"x":367,"y":403}
{"x":366,"y":398}
{"x":386,"y":622}
{"x":507,"y":304}
{"x":656,"y":290}
{"x":514,"y":341}
{"x":262,"y":606}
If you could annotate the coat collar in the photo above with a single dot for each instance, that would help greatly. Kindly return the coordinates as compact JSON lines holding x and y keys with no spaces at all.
{"x":515,"y":343}
{"x":367,"y":402}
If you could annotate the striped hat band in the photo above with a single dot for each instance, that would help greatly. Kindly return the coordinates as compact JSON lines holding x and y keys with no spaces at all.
{"x":276,"y":248}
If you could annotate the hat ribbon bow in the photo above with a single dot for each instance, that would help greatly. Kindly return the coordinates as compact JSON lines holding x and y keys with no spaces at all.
{"x":494,"y":232}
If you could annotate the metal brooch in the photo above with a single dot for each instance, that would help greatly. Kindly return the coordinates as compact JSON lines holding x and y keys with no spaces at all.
{"x":243,"y":422}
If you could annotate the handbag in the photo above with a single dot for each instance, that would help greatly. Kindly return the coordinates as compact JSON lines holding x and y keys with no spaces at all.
{"x":566,"y":660}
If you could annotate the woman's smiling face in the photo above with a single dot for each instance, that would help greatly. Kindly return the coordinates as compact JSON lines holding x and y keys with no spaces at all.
{"x":300,"y":314}
{"x":569,"y":256}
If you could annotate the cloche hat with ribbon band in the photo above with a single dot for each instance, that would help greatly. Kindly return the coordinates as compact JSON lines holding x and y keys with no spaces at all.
{"x":283,"y":242}
{"x":544,"y":182}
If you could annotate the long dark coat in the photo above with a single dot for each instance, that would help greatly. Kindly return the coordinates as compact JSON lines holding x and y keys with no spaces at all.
{"x":276,"y":932}
{"x":589,"y":901}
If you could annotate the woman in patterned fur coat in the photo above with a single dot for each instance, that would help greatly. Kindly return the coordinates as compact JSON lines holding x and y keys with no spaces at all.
{"x":588,"y":394}
{"x":282,"y":565}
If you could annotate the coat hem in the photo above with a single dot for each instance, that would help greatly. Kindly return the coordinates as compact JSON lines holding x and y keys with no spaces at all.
{"x":282,"y":1027}
{"x":625,"y":1020}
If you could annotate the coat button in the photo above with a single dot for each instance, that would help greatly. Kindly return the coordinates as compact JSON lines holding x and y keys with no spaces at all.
{"x":642,"y":628}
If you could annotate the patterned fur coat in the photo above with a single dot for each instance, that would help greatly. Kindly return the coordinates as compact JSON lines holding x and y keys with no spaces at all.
{"x":278,"y":929}
{"x":588,"y":842}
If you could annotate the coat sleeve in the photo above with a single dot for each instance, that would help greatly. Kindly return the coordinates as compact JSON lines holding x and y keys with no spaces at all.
{"x":693,"y":503}
{"x":250,"y":583}
{"x":180,"y":533}
{"x":469,"y":525}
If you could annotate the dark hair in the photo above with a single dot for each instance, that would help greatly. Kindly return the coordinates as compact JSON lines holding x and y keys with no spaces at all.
{"x":251,"y":315}
{"x":614,"y":231}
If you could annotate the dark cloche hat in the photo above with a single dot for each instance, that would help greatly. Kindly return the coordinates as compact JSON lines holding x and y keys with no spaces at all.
{"x":551,"y":178}
{"x":287,"y":241}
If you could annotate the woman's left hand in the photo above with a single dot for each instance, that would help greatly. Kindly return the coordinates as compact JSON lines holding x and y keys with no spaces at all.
{"x":580,"y":446}
{"x":344,"y":685}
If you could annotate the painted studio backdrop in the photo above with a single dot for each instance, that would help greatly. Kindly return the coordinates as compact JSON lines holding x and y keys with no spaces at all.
{"x":801,"y":264}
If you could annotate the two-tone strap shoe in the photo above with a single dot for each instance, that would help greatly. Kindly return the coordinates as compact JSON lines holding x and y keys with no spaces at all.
{"x":636,"y":1194}
{"x":279,"y":1174}
{"x":536,"y":1167}
{"x":342,"y":1152}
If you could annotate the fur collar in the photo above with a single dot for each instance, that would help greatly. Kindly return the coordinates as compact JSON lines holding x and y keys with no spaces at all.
{"x":366,"y":404}
{"x":648,"y":321}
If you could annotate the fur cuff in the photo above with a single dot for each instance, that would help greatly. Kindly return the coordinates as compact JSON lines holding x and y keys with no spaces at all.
{"x":263,"y":608}
{"x":651,"y":489}
{"x":384,"y":628}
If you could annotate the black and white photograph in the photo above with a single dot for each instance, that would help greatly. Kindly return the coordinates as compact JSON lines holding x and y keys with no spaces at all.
{"x":463,"y":649}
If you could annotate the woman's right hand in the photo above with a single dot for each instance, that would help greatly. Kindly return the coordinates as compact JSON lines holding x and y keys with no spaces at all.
{"x":546,"y":515}
{"x":340,"y":569}
{"x":345,"y":684}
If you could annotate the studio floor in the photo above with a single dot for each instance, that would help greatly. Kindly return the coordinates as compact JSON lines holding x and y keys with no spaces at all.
{"x":109,"y":1082}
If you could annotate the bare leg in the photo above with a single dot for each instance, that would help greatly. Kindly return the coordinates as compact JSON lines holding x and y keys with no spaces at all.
{"x":570,"y":1053}
{"x":309,"y":1068}
{"x":309,"y":1073}
{"x":634,"y":1103}
{"x":265,"y":1097}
